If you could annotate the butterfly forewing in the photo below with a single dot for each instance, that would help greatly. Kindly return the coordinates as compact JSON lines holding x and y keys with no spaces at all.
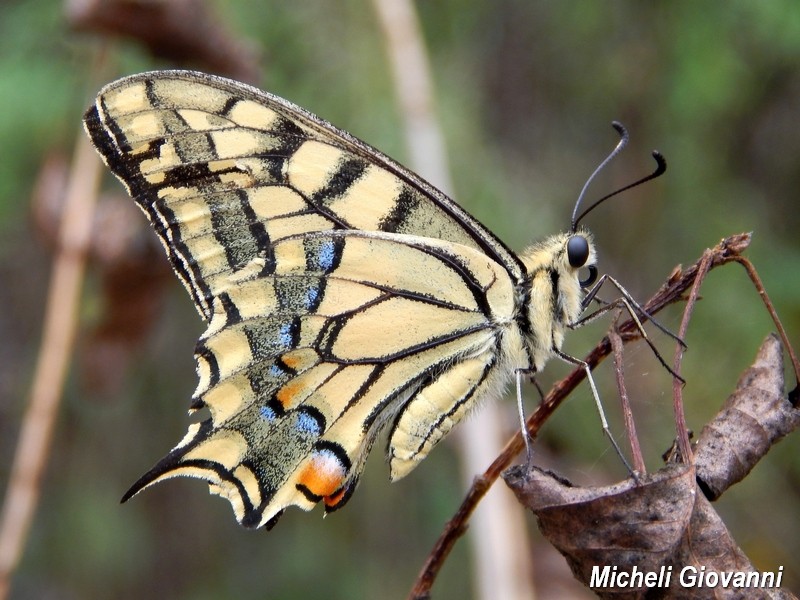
{"x":223,"y":170}
{"x":341,"y":291}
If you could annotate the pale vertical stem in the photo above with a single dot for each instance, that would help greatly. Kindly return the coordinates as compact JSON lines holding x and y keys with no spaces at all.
{"x":414,"y":91}
{"x":58,"y":335}
{"x":498,"y":532}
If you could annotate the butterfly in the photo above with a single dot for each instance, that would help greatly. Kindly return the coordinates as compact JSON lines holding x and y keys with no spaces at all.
{"x":343,"y":295}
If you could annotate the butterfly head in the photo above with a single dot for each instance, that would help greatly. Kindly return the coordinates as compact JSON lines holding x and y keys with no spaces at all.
{"x":559,"y":271}
{"x":569,"y":256}
{"x":574,"y":271}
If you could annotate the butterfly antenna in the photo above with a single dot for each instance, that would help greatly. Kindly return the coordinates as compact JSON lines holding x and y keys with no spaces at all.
{"x":623,"y":141}
{"x":661,"y":166}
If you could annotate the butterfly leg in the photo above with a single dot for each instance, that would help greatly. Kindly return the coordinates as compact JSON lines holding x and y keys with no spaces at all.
{"x":631,"y":301}
{"x":519,"y":374}
{"x":630,"y":305}
{"x":604,"y":423}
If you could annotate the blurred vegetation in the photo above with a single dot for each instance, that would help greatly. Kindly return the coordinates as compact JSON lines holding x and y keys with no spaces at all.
{"x":526,"y":91}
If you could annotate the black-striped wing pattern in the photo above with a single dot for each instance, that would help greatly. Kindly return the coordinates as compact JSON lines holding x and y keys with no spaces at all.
{"x":342,"y":294}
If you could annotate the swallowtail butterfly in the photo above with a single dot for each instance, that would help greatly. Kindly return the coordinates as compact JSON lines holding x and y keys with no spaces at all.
{"x":342,"y":294}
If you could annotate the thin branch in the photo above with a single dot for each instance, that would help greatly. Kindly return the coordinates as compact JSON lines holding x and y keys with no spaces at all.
{"x":665,"y":519}
{"x":677,"y":386}
{"x":627,"y":413}
{"x":762,"y":292}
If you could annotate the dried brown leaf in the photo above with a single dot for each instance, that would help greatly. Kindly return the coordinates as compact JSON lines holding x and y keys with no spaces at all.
{"x":753,"y":418}
{"x":629,"y":524}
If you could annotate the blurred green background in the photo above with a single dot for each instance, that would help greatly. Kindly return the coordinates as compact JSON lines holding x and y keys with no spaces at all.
{"x":526,"y":92}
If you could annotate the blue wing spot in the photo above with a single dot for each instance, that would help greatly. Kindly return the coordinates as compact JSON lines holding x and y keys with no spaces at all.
{"x":312,"y":294}
{"x":308,"y":424}
{"x":331,"y":458}
{"x":326,"y":255}
{"x":327,"y":447}
{"x":323,"y":253}
{"x":268,"y":413}
{"x":310,"y":421}
{"x":285,"y":335}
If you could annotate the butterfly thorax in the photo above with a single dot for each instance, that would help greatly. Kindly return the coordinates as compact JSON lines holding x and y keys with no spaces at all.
{"x":551,"y":295}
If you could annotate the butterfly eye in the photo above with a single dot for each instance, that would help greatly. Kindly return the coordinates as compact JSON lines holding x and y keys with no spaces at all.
{"x":577,"y":251}
{"x":590,"y":278}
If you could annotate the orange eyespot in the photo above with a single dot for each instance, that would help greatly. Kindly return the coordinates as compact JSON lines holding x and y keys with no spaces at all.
{"x":323,"y":475}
